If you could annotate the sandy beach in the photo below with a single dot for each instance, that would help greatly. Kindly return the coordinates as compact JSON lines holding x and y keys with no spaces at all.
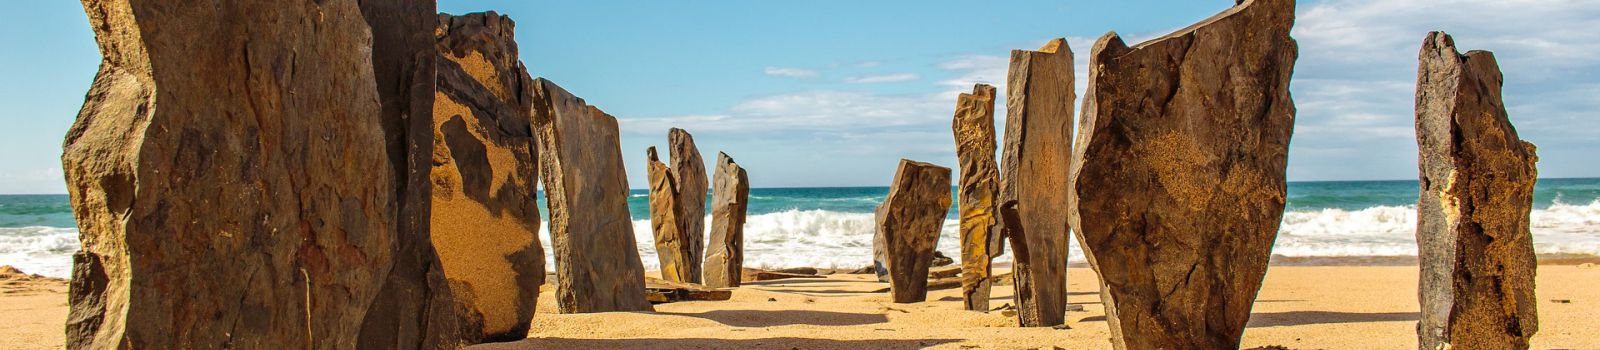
{"x":1300,"y":307}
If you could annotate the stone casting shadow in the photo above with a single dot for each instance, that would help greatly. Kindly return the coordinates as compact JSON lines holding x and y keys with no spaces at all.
{"x":705,"y":343}
{"x":1298,"y":318}
{"x":761,"y":318}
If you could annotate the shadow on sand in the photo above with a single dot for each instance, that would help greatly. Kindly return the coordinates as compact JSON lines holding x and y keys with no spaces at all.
{"x":760,"y":318}
{"x":704,"y":343}
{"x":1298,"y":318}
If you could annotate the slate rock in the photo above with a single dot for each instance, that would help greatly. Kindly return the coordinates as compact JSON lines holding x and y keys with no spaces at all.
{"x":1178,"y":176}
{"x":484,"y":215}
{"x":1034,"y":164}
{"x":725,"y":254}
{"x":580,"y":162}
{"x":1477,"y":177}
{"x":907,"y":225}
{"x":980,"y":185}
{"x":689,"y":174}
{"x":673,"y":246}
{"x":235,"y":156}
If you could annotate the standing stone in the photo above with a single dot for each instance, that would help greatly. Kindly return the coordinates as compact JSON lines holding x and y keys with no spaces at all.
{"x":980,"y":183}
{"x":908,"y":224}
{"x":1178,"y":175}
{"x":689,"y":174}
{"x":725,"y":256}
{"x":229,"y":175}
{"x":1477,"y":181}
{"x":673,"y":245}
{"x":415,"y":308}
{"x":580,"y":154}
{"x":1033,"y":191}
{"x":484,"y":216}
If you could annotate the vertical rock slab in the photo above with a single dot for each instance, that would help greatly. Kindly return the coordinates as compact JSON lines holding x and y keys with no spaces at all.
{"x":1477,"y":180}
{"x":580,"y":162}
{"x":1033,"y":192}
{"x":724,"y":261}
{"x":980,"y":185}
{"x":1178,"y":176}
{"x":672,"y":244}
{"x":908,"y":225}
{"x":689,"y":173}
{"x":230,"y":177}
{"x":484,"y":172}
{"x":414,"y":309}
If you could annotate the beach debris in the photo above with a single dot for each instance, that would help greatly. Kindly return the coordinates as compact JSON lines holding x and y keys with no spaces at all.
{"x":236,"y":161}
{"x":1561,"y":301}
{"x":799,"y":270}
{"x":673,"y":245}
{"x":724,"y":260}
{"x":979,"y":188}
{"x":749,"y":274}
{"x":939,"y":259}
{"x":485,"y":173}
{"x":1478,"y":263}
{"x":943,"y":272}
{"x":907,"y":225}
{"x":586,"y":186}
{"x":1178,"y":175}
{"x":1034,"y":165}
{"x":659,"y":291}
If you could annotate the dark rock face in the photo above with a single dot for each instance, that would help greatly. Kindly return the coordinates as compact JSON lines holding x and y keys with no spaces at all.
{"x":725,"y":255}
{"x":1038,"y":150}
{"x":689,"y":172}
{"x":235,"y":157}
{"x":908,"y":225}
{"x":580,"y":162}
{"x":1178,"y":175}
{"x":415,"y":308}
{"x":1477,"y":180}
{"x":485,"y":220}
{"x":980,"y":184}
{"x":672,"y":244}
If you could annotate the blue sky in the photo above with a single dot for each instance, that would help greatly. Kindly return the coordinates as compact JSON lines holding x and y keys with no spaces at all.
{"x":833,"y":93}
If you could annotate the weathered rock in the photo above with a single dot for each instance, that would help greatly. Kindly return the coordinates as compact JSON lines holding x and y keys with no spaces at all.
{"x":485,"y":220}
{"x":1178,"y":175}
{"x":415,"y":309}
{"x":234,"y":155}
{"x":725,"y":255}
{"x":749,"y":274}
{"x":659,"y":291}
{"x":1477,"y":179}
{"x":908,"y":225}
{"x":980,"y":184}
{"x":689,"y":174}
{"x":586,"y":186}
{"x":673,"y":245}
{"x":1038,"y":150}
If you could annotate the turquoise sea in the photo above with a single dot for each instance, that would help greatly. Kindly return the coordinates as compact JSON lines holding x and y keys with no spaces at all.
{"x":832,"y":227}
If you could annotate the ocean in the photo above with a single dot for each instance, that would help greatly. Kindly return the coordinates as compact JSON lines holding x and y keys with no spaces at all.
{"x":832,"y":227}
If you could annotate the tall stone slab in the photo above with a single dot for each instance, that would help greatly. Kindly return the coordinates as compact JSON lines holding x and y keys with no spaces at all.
{"x":724,"y":259}
{"x":580,"y":162}
{"x":484,"y":172}
{"x":1033,"y":190}
{"x":980,"y":185}
{"x":689,"y":172}
{"x":415,"y":308}
{"x":907,"y":225}
{"x":230,"y":177}
{"x":1178,"y":175}
{"x":673,"y":245}
{"x":1477,"y":180}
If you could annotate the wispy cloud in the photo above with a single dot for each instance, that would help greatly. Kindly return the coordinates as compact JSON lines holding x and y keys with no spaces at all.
{"x":789,"y":72}
{"x":884,"y":78}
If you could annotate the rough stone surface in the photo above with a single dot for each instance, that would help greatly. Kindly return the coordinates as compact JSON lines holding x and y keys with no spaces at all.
{"x":673,"y":245}
{"x":1178,"y":175}
{"x":580,"y":161}
{"x":689,"y":174}
{"x":485,"y":220}
{"x":908,"y":224}
{"x":415,"y":308}
{"x":725,"y":254}
{"x":1033,"y":196}
{"x":1477,"y":180}
{"x":234,"y":155}
{"x":979,"y":187}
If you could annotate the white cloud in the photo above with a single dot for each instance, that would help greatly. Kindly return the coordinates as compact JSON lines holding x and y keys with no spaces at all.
{"x":884,"y":78}
{"x":868,"y":64}
{"x":787,"y":72}
{"x":811,"y":111}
